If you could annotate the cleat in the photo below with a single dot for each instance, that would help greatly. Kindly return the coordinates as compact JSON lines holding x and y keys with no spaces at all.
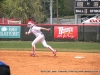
{"x":33,"y":55}
{"x":54,"y":52}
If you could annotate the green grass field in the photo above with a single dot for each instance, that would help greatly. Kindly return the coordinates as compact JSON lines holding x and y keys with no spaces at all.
{"x":59,"y":46}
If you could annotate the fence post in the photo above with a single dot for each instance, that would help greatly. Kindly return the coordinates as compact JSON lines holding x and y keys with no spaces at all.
{"x":83,"y":32}
{"x":3,"y":20}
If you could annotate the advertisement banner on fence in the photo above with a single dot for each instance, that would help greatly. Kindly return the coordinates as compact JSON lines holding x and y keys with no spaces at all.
{"x":9,"y":31}
{"x":65,"y":32}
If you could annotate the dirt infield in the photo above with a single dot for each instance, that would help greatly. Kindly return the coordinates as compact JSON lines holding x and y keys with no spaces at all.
{"x":65,"y":63}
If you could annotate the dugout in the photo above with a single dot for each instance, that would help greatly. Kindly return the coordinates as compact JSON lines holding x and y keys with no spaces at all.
{"x":4,"y":69}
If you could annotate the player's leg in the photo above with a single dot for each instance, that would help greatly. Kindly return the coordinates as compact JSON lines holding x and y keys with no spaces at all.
{"x":36,"y":40}
{"x":43,"y":41}
{"x":33,"y":49}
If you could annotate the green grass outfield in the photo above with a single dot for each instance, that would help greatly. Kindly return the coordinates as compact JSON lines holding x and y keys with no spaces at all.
{"x":59,"y":46}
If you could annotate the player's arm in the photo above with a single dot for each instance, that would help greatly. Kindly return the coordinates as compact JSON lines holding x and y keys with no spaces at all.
{"x":47,"y":29}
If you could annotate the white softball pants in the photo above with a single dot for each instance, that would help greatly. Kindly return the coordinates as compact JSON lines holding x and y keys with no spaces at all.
{"x":41,"y":38}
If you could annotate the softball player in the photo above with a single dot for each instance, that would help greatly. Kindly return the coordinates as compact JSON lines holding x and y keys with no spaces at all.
{"x":39,"y":36}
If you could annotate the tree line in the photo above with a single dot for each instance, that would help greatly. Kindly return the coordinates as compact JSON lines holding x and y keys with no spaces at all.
{"x":39,"y":9}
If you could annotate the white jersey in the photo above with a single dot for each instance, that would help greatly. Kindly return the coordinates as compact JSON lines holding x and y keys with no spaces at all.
{"x":35,"y":30}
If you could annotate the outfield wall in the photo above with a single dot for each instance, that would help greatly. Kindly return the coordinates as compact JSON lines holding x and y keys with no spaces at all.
{"x":67,"y":32}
